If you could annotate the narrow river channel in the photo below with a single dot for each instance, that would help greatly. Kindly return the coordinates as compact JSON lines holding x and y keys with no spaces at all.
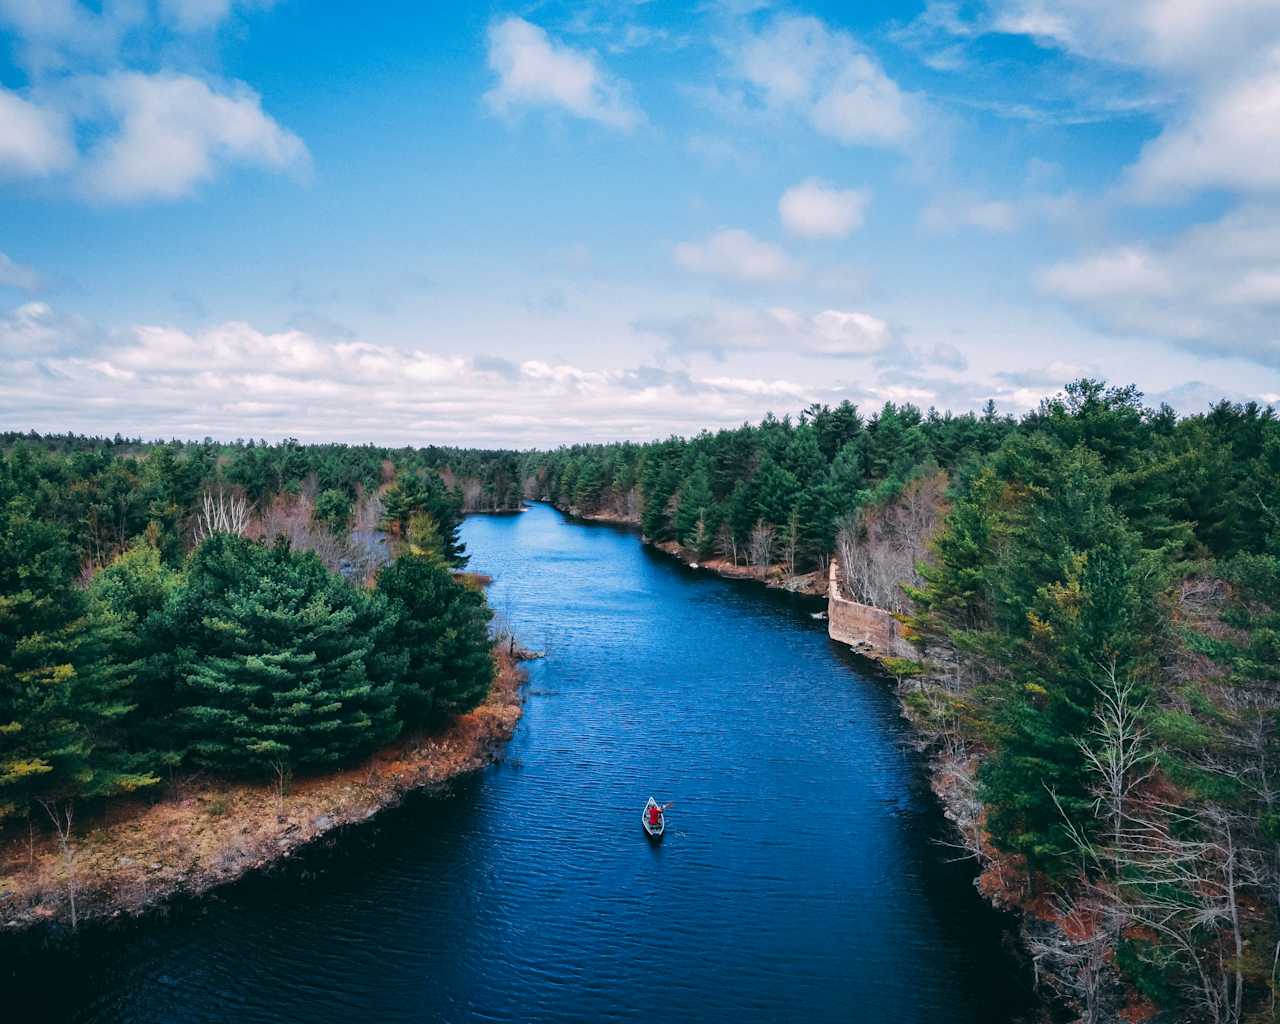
{"x":801,"y":879}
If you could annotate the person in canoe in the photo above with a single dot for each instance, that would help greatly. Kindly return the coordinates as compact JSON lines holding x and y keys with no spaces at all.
{"x":655,"y":814}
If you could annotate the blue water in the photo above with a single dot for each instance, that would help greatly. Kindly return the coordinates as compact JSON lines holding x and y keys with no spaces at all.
{"x":799,"y":880}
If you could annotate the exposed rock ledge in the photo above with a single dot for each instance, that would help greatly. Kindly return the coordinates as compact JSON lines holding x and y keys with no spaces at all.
{"x":872,"y":632}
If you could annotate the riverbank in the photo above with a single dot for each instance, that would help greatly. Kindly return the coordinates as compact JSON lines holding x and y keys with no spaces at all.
{"x":878,"y":638}
{"x":139,"y":854}
{"x":812,"y":584}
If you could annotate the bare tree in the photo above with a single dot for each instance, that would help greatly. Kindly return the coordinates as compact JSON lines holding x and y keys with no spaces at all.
{"x":1179,"y":874}
{"x":62,"y":814}
{"x":221,"y":512}
{"x":760,"y":546}
{"x":1116,"y":750}
{"x":882,"y":548}
{"x":727,"y":543}
{"x":293,"y":518}
{"x":472,"y":495}
{"x":790,"y":541}
{"x":1074,"y":960}
{"x":280,"y":775}
{"x":369,"y":512}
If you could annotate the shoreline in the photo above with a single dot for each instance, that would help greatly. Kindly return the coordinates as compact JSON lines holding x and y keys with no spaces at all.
{"x":138,"y":855}
{"x":950,"y":782}
{"x":810,"y":584}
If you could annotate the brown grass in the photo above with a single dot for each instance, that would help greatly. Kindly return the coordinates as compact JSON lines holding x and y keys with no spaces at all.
{"x":207,"y":832}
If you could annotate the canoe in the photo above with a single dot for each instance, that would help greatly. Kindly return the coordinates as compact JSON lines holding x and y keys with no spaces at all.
{"x":653,"y":831}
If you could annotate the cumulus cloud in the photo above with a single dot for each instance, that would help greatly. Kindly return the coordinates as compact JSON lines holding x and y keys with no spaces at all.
{"x":1217,"y":63}
{"x":174,"y":131}
{"x":814,"y":209}
{"x":1214,"y":289}
{"x":735,"y":255}
{"x":535,"y":71}
{"x":235,"y":379}
{"x":15,"y":275}
{"x":1126,"y":271}
{"x":35,"y":329}
{"x":831,"y":332}
{"x":1185,"y":37}
{"x":158,"y":133}
{"x":799,"y":64}
{"x":34,"y":140}
{"x":1229,"y":138}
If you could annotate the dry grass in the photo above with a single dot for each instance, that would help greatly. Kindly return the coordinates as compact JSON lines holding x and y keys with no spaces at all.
{"x":208,"y":832}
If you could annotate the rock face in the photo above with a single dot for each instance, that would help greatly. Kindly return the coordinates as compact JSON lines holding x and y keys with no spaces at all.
{"x":872,"y":632}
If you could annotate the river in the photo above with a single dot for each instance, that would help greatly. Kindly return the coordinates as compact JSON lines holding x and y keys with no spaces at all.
{"x":801,"y":878}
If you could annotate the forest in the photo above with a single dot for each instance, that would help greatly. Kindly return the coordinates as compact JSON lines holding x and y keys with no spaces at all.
{"x":245,"y":610}
{"x":1094,"y":592}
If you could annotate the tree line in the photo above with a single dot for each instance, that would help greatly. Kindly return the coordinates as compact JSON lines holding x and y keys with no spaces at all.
{"x":1094,"y":590}
{"x":174,"y":606}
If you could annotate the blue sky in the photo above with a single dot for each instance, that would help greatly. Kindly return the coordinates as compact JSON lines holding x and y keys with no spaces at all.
{"x":531,"y":224}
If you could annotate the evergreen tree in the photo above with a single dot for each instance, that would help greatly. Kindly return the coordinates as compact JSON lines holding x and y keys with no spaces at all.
{"x":695,"y":507}
{"x":60,"y":689}
{"x":333,"y":509}
{"x":438,"y":643}
{"x":130,"y":596}
{"x":273,"y":660}
{"x":1074,"y":598}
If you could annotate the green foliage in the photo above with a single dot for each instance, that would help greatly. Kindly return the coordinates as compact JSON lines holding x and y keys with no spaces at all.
{"x":419,"y":494}
{"x":272,"y":665}
{"x":61,"y":691}
{"x":437,"y":651}
{"x":333,"y":509}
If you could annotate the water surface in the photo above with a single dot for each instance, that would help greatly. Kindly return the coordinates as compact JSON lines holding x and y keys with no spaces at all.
{"x":799,"y":879}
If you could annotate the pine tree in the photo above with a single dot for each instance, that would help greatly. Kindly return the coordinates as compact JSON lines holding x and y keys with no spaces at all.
{"x":695,"y":505}
{"x":60,"y":689}
{"x":273,"y":663}
{"x":1074,"y":597}
{"x":128,"y":598}
{"x":438,"y":644}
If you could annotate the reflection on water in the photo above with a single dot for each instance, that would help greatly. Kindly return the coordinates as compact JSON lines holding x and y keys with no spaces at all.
{"x":797,"y":881}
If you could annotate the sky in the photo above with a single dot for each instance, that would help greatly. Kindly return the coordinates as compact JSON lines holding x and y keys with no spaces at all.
{"x":518,"y":225}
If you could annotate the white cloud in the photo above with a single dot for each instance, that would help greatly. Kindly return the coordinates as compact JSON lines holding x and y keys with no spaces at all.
{"x":52,"y":34}
{"x":34,"y":140}
{"x":1218,"y":65}
{"x":836,"y":333}
{"x":15,"y":275}
{"x":814,"y":209}
{"x":831,"y":332}
{"x":535,"y":71}
{"x":235,"y":379}
{"x":173,"y":132}
{"x":195,"y":15}
{"x":1230,"y":138}
{"x":55,"y":35}
{"x":1171,"y":36}
{"x":798,"y":63}
{"x":35,"y":329}
{"x":958,"y":211}
{"x":1122,"y":272}
{"x":1214,"y":289}
{"x":736,"y":255}
{"x":154,"y":134}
